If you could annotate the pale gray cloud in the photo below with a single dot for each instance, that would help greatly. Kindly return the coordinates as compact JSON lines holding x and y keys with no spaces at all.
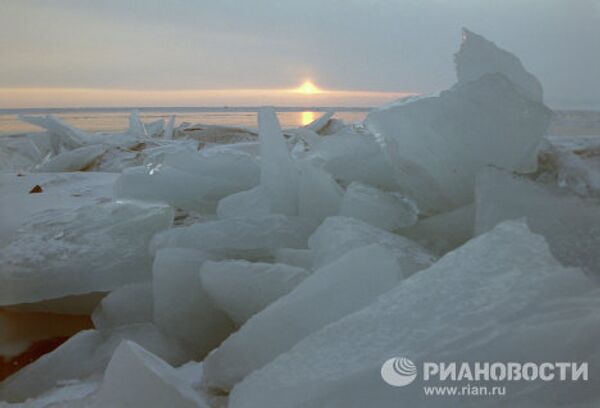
{"x":377,"y":45}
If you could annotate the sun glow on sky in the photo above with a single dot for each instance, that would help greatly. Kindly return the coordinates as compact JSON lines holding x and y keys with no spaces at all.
{"x":308,"y":88}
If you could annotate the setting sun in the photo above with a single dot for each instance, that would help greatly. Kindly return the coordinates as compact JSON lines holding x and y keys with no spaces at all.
{"x":308,"y":88}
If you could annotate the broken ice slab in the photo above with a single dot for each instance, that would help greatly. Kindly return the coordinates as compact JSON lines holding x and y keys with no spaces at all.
{"x":338,"y":235}
{"x":164,"y":184}
{"x":78,"y":159}
{"x":169,"y":128}
{"x":61,"y":190}
{"x":354,"y":155}
{"x":340,"y":288}
{"x":125,"y":305}
{"x":238,"y":235}
{"x":249,"y":203}
{"x":135,"y":377}
{"x":241,"y":288}
{"x":443,"y":232}
{"x":62,"y":135}
{"x":478,"y":56}
{"x":93,"y":248}
{"x":153,"y":129}
{"x":570,"y":224}
{"x":182,"y":306}
{"x":319,"y":196}
{"x":20,"y":152}
{"x":83,"y":356}
{"x":470,"y":300}
{"x":302,"y":258}
{"x":438,"y":144}
{"x":278,"y":175}
{"x":189,"y":180}
{"x":381,"y":209}
{"x":136,"y":127}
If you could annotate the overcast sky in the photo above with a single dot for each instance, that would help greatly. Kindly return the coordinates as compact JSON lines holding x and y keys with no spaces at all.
{"x":350,"y":45}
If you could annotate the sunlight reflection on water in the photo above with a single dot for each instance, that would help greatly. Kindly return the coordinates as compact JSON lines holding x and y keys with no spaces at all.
{"x":308,"y":117}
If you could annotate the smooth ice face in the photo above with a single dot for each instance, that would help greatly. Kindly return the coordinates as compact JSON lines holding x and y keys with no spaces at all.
{"x":249,"y":203}
{"x":164,"y":184}
{"x":319,"y":196}
{"x":338,"y":235}
{"x":278,"y":175}
{"x":237,"y":235}
{"x":302,"y":258}
{"x":444,"y":232}
{"x":84,"y":355}
{"x":338,"y":289}
{"x":90,"y":249}
{"x":182,"y":306}
{"x":350,"y":155}
{"x":241,"y":288}
{"x":571,"y":225}
{"x":478,"y":56}
{"x":189,"y":181}
{"x":137,"y":378}
{"x":463,"y":304}
{"x":60,"y":190}
{"x":128,"y":304}
{"x":381,"y":209}
{"x":437,"y":145}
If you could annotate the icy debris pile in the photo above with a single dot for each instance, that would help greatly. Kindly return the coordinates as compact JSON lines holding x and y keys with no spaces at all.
{"x":213,"y":266}
{"x":463,"y":308}
{"x":331,"y":292}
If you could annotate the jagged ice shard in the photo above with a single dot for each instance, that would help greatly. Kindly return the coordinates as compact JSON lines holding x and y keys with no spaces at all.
{"x":478,"y":56}
{"x":278,"y":174}
{"x":438,"y":144}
